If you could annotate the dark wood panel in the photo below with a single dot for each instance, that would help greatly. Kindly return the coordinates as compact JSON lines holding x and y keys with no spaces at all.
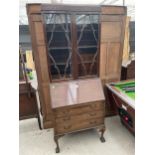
{"x":27,"y":102}
{"x":27,"y":106}
{"x":110,"y":107}
{"x":128,"y":72}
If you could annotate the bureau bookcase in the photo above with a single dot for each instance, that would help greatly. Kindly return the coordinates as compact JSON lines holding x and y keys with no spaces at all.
{"x":73,"y":42}
{"x":65,"y":42}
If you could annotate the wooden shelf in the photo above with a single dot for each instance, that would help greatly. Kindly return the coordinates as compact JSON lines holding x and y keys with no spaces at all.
{"x":88,"y":46}
{"x":87,"y":30}
{"x":59,"y":31}
{"x":70,"y":31}
{"x":83,"y":46}
{"x":59,"y":64}
{"x":60,"y":48}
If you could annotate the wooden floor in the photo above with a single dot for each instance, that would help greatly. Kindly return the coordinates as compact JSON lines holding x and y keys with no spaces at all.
{"x":33,"y":141}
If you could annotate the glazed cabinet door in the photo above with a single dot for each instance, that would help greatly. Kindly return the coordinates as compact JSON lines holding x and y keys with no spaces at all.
{"x":59,"y":44}
{"x":87,"y":43}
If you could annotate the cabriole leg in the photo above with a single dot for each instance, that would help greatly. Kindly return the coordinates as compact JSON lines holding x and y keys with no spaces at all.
{"x":102,"y":138}
{"x":57,"y":150}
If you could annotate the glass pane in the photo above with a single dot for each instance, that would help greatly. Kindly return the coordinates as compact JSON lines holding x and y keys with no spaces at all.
{"x":58,"y":33}
{"x":87,"y":43}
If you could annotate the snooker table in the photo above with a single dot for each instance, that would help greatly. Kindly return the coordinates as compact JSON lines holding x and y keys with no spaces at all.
{"x":123,"y":95}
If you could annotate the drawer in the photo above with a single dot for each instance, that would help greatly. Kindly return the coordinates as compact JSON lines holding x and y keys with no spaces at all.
{"x":79,"y":118}
{"x":70,"y":127}
{"x":70,"y":111}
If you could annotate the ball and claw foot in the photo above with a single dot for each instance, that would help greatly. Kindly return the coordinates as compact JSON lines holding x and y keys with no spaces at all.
{"x":102,"y":139}
{"x":57,"y":150}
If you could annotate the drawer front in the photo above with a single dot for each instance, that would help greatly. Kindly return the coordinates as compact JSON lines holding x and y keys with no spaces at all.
{"x":79,"y":109}
{"x":79,"y":118}
{"x":70,"y":127}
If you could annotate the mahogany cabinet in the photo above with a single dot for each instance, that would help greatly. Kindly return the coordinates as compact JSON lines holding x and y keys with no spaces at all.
{"x":72,"y":42}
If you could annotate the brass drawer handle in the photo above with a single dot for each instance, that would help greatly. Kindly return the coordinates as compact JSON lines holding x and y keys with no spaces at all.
{"x":67,"y":127}
{"x":93,"y":122}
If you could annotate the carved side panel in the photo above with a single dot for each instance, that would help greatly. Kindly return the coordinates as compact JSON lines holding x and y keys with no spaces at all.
{"x":41,"y":63}
{"x":111,"y":47}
